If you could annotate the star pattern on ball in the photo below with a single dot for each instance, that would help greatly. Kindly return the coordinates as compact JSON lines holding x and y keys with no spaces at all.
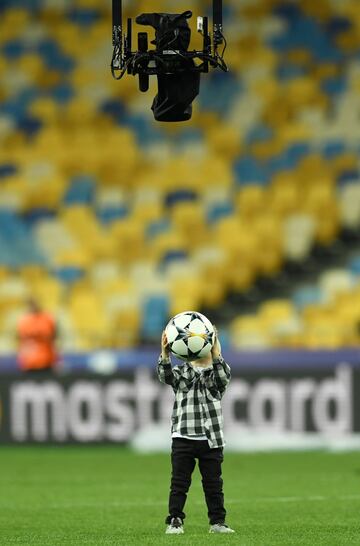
{"x":190,"y":335}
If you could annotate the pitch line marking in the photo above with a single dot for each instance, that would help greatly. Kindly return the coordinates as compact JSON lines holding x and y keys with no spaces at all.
{"x":115,"y":504}
{"x":149,"y":502}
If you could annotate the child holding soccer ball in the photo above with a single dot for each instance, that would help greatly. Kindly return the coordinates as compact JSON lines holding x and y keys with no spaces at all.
{"x":197,"y":432}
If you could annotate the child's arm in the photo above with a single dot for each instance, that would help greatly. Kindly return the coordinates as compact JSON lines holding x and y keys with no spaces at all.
{"x":166,"y":373}
{"x":221,"y":374}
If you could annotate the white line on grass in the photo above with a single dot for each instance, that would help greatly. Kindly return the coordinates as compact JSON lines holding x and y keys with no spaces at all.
{"x":149,"y":502}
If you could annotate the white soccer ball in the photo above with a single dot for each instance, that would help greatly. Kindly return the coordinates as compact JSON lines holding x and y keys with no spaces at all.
{"x":190,"y":335}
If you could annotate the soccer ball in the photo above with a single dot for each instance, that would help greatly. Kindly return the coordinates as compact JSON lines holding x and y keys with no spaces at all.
{"x":190,"y":335}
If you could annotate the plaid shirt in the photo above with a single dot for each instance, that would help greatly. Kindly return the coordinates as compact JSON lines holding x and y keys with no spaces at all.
{"x":197,"y":406}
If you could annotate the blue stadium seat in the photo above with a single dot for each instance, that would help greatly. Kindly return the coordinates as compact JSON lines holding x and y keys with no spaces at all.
{"x":218,"y":92}
{"x":17,"y":105}
{"x":53,"y":57}
{"x":115,"y":108}
{"x":155,"y":314}
{"x":218,"y":211}
{"x":35,"y":215}
{"x":145,"y":131}
{"x":17,"y":244}
{"x":13,"y":49}
{"x":62,"y":92}
{"x":289,"y":158}
{"x":305,"y":32}
{"x":188,"y":135}
{"x":347,"y":176}
{"x":109,"y":214}
{"x":180,"y":195}
{"x":80,"y":191}
{"x":29,"y":125}
{"x":7,"y":169}
{"x":334,"y":85}
{"x":258,"y":133}
{"x":156,"y":228}
{"x":307,"y":295}
{"x":249,"y":170}
{"x":354,"y":265}
{"x":69,"y":275}
{"x":83,"y":17}
{"x":338,"y":24}
{"x":333,"y":148}
{"x":172,"y":256}
{"x":288,"y":71}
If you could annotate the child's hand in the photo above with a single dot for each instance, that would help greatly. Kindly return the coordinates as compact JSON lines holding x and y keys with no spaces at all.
{"x":216,"y":348}
{"x":165,"y":350}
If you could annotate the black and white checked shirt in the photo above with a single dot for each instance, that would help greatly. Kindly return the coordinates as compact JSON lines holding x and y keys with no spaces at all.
{"x":197,"y":406}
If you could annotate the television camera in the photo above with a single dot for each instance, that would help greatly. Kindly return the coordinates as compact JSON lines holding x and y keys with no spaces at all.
{"x":177,"y":69}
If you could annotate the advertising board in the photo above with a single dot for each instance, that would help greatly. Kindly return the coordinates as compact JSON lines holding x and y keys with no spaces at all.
{"x":90,"y":408}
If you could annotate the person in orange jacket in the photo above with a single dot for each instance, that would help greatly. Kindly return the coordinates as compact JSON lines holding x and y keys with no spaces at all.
{"x":36,"y":332}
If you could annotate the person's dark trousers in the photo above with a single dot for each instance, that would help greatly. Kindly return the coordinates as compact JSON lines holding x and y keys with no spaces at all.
{"x":39,"y":372}
{"x":183,"y":458}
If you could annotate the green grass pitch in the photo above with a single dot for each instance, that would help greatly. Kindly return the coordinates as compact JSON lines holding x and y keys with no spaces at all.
{"x":111,"y":496}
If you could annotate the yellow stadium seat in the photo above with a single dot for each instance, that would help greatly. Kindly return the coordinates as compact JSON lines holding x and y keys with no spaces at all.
{"x":344,"y":162}
{"x":120,"y":286}
{"x":45,"y":109}
{"x":320,"y":10}
{"x":205,"y":119}
{"x":301,"y":91}
{"x":269,"y":232}
{"x":291,"y":132}
{"x":324,"y":334}
{"x":241,"y":246}
{"x":13,"y":22}
{"x":179,"y":173}
{"x":314,"y":167}
{"x":278,"y":310}
{"x":348,"y":41}
{"x":215,"y":171}
{"x":299,"y":56}
{"x":251,"y":202}
{"x":247,"y":332}
{"x":284,"y":199}
{"x":267,"y":88}
{"x":189,"y":297}
{"x":47,"y":193}
{"x":170,"y":241}
{"x":74,"y":257}
{"x":4,"y":272}
{"x":188,"y":218}
{"x":321,"y":202}
{"x":88,"y":315}
{"x":265,"y":150}
{"x":224,"y":141}
{"x":49,"y":293}
{"x":211,"y":262}
{"x":32,"y":65}
{"x":128,"y":240}
{"x":125,"y":325}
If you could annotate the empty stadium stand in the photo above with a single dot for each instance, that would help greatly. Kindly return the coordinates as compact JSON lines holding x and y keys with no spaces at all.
{"x":250,"y":212}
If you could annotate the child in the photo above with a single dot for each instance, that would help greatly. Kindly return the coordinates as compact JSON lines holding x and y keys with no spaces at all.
{"x":196,"y":432}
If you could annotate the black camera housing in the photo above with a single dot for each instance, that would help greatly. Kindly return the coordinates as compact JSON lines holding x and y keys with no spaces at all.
{"x":174,"y":65}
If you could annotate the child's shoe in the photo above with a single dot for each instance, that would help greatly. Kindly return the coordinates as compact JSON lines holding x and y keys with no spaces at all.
{"x":220,"y":528}
{"x":175,"y":527}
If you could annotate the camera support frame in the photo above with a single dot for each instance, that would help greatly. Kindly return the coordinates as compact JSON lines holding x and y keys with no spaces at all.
{"x":145,"y":63}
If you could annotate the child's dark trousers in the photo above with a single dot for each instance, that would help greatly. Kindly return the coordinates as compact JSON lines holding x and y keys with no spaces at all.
{"x":183,"y":458}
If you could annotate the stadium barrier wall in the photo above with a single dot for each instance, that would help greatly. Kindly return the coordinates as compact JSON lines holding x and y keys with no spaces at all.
{"x":321,"y":399}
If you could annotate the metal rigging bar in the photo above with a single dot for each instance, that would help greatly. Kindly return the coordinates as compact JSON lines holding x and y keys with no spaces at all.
{"x":218,"y":22}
